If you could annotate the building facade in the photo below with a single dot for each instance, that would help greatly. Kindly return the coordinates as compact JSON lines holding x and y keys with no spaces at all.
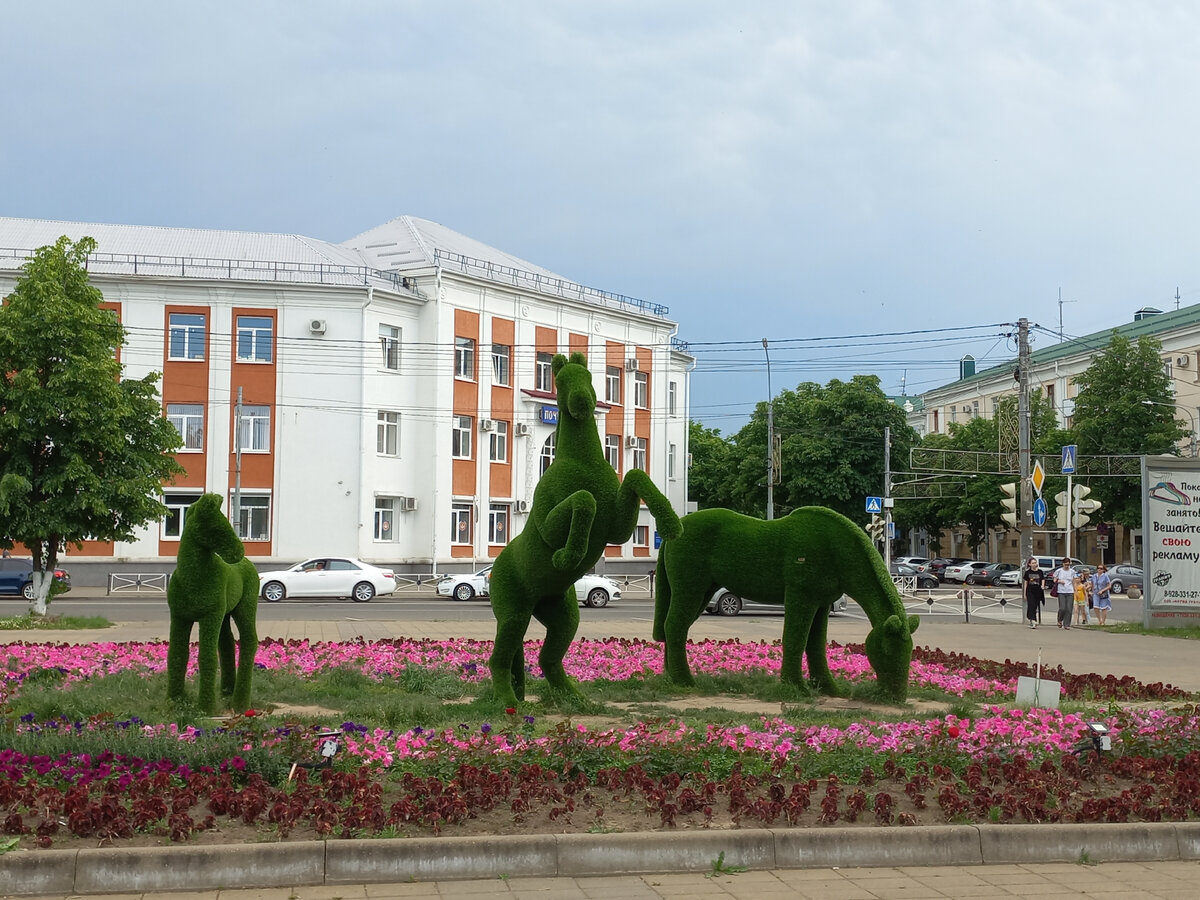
{"x":389,"y":397}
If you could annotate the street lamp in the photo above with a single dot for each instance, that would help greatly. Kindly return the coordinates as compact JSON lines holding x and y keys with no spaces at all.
{"x":770,"y":438}
{"x":1191,"y":418}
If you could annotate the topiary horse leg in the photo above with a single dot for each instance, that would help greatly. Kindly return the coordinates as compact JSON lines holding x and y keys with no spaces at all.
{"x":798,"y":617}
{"x":507,"y":662}
{"x":636,"y":487}
{"x":206,"y":664}
{"x":817,"y":654}
{"x":573,"y":516}
{"x":178,"y":649}
{"x":560,"y":615}
{"x":225,"y":656}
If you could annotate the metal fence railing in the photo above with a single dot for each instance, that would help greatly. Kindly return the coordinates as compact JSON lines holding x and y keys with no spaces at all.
{"x":138,"y":583}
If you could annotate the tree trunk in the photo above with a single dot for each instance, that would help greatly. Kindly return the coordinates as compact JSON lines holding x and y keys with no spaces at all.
{"x":41,"y":592}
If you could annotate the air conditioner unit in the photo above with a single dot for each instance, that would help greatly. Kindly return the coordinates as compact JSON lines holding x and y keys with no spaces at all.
{"x":316,"y":326}
{"x":631,"y":364}
{"x":522,"y":429}
{"x":408,"y":504}
{"x":486,"y":424}
{"x":631,"y":441}
{"x":1182,"y":362}
{"x":522,"y":506}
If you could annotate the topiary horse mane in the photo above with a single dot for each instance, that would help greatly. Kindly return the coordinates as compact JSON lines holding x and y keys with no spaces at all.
{"x":580,"y":505}
{"x":213,"y":584}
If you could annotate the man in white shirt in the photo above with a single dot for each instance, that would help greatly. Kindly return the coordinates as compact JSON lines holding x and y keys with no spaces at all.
{"x":1063,"y":579}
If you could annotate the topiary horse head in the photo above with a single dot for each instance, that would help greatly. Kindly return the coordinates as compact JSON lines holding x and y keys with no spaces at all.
{"x":214,"y":584}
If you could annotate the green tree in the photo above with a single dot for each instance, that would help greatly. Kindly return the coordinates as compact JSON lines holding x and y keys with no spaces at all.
{"x":1112,"y":417}
{"x":709,"y":475}
{"x":83,"y":453}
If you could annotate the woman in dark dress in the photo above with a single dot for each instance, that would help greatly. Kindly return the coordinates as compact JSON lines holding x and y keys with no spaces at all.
{"x":1032,"y":580}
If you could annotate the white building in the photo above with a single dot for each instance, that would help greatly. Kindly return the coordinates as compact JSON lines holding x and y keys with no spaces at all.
{"x":396,"y":397}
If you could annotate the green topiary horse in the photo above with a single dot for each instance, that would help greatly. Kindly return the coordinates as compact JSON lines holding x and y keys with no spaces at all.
{"x":580,"y":506}
{"x":214,"y":584}
{"x":803,"y":562}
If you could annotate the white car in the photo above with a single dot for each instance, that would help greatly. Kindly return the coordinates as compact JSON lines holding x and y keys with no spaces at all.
{"x":1011,"y":578}
{"x":960,"y":573}
{"x":593,"y":591}
{"x":727,"y":603}
{"x":327,"y":576}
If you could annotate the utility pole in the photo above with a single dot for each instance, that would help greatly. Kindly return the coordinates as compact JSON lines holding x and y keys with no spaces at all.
{"x":770,"y":439}
{"x":887,"y":496}
{"x":1024,"y":517}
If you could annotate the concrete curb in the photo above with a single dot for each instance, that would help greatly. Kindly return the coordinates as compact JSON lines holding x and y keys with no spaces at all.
{"x":189,"y":868}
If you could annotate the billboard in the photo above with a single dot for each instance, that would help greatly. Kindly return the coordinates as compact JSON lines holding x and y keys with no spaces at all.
{"x":1171,"y":540}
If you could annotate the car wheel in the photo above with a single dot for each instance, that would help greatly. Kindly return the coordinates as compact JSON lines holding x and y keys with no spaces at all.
{"x":970,"y":579}
{"x":729,"y":604}
{"x":273,"y":592}
{"x":464,"y":592}
{"x":28,"y":592}
{"x":1117,"y":587}
{"x":363,"y":592}
{"x":597,"y":598}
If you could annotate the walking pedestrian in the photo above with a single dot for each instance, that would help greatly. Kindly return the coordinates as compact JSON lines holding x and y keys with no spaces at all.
{"x":1101,"y":601}
{"x":1064,"y":587}
{"x":1032,"y":581}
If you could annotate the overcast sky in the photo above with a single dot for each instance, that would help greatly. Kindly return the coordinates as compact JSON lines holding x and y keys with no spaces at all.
{"x":785,"y":169}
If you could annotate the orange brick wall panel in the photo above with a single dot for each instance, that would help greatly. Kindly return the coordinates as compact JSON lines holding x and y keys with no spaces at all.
{"x":500,"y":475}
{"x":641,"y":551}
{"x":259,"y":384}
{"x":466,"y":324}
{"x":461,"y":551}
{"x":578,"y":343}
{"x":545,"y":340}
{"x":92,"y":548}
{"x":462,"y":480}
{"x":612,"y":550}
{"x":466,"y":398}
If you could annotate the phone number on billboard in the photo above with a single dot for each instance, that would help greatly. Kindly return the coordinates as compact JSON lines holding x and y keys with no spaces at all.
{"x":1183,"y":595}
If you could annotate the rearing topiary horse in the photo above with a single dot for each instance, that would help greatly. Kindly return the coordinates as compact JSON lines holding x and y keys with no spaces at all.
{"x":802,"y":562}
{"x":214,"y":584}
{"x":580,"y":506}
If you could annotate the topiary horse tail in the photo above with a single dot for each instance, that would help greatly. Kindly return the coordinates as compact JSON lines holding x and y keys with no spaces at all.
{"x":213,"y":584}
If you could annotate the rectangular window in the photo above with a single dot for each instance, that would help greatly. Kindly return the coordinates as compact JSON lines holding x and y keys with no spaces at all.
{"x":387,"y":433}
{"x":464,"y":358}
{"x":543,"y":375}
{"x":612,"y":450}
{"x":385,"y":518}
{"x":254,"y":334}
{"x":671,"y":392}
{"x":498,"y":442}
{"x":254,"y":435}
{"x":501,"y":359}
{"x":186,"y":336}
{"x":188,"y":419}
{"x":173,"y":521}
{"x":612,"y":385}
{"x":639,"y":454}
{"x":460,"y":443}
{"x":389,"y":342}
{"x":641,"y":390}
{"x":641,"y":536}
{"x":460,"y":522}
{"x":498,"y":523}
{"x":254,"y":517}
{"x":670,"y":460}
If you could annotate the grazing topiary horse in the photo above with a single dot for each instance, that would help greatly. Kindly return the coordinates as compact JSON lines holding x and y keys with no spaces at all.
{"x":214,"y":584}
{"x":580,"y":505}
{"x":802,"y":562}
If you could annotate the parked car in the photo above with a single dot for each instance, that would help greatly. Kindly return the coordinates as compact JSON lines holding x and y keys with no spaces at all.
{"x":924,"y":580}
{"x":938,"y":564}
{"x":965,"y":570}
{"x":327,"y":576}
{"x":727,"y":603}
{"x":594,"y":591}
{"x":991,"y":574}
{"x":917,"y":562}
{"x":1012,"y":578}
{"x":16,"y":577}
{"x":1123,"y":577}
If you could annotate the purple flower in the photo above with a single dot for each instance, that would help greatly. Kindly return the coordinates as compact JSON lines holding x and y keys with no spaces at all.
{"x":485,"y":728}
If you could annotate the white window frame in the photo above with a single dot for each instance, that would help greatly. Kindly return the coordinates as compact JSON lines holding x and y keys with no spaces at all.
{"x":254,"y":517}
{"x":387,"y":433}
{"x":641,"y":390}
{"x":498,"y":523}
{"x":255,"y":339}
{"x":175,"y":518}
{"x":460,"y":523}
{"x":460,"y":438}
{"x":502,"y":364}
{"x":672,"y":392}
{"x":464,"y":358}
{"x":188,"y":419}
{"x":190,"y":334}
{"x":385,"y":519}
{"x":543,"y":372}
{"x":612,"y":450}
{"x":498,"y":442}
{"x":254,"y":429}
{"x":389,"y":343}
{"x":546,"y":458}
{"x":671,"y":453}
{"x":641,"y":536}
{"x":639,"y":454}
{"x":612,"y":385}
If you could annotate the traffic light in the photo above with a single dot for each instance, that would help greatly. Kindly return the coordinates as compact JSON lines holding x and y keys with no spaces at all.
{"x":1060,"y":514}
{"x":1082,"y":506}
{"x":875,"y":528}
{"x":1009,"y":502}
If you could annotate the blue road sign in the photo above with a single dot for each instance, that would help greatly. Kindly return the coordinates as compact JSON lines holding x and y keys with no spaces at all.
{"x":874,"y":504}
{"x":657,"y":540}
{"x":891,"y":531}
{"x":1039,"y":511}
{"x":1069,"y":453}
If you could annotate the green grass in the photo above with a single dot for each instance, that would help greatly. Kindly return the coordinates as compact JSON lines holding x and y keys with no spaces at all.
{"x":1189,"y":633}
{"x":29,"y":622}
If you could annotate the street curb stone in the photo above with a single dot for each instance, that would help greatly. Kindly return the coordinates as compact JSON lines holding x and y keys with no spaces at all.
{"x":334,"y":862}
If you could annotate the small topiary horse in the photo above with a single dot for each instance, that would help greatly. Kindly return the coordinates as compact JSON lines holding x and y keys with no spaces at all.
{"x":580,"y":505}
{"x":214,"y":584}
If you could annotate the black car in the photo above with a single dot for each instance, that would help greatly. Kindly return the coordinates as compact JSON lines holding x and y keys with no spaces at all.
{"x":991,"y":574}
{"x":16,"y":578}
{"x":925,"y":581}
{"x":937,"y":566}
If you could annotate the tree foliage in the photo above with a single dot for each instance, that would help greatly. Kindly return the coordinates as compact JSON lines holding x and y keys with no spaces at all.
{"x":710,"y":474}
{"x":83,"y":453}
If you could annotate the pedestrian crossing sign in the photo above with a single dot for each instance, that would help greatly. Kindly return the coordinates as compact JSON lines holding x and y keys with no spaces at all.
{"x":874,"y":504}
